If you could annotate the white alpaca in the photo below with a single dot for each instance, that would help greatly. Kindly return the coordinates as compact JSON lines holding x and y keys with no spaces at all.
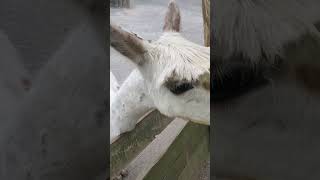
{"x":172,"y":75}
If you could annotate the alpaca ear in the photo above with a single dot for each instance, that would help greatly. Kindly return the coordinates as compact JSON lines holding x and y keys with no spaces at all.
{"x":172,"y":19}
{"x":128,"y":44}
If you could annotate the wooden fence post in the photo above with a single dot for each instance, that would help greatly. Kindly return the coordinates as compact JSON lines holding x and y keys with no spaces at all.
{"x":206,"y":21}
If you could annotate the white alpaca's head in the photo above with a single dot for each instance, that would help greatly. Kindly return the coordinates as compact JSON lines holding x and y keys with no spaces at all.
{"x":176,"y":71}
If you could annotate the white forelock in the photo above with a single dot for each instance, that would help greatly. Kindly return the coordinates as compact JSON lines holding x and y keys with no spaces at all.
{"x":179,"y":57}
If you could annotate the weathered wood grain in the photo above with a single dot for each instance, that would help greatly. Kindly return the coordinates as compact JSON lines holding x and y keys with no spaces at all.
{"x":129,"y":145}
{"x":206,"y":21}
{"x":150,"y":156}
{"x":183,"y":159}
{"x":177,"y":153}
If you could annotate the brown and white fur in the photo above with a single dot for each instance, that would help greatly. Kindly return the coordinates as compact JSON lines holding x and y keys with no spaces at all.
{"x":172,"y":76}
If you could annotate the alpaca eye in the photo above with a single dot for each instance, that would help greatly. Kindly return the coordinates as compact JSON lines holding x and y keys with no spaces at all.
{"x":180,"y":88}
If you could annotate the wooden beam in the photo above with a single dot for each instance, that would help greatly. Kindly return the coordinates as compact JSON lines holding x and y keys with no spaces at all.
{"x":142,"y":164}
{"x":177,"y":153}
{"x":206,"y":21}
{"x":185,"y":157}
{"x":130,"y":144}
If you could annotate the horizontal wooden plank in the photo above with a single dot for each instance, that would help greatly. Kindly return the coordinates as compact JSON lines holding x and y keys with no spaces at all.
{"x":178,"y":152}
{"x":185,"y":157}
{"x":142,"y":164}
{"x":130,"y":144}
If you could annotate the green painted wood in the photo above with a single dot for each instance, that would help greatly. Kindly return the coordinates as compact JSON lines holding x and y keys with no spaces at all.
{"x":130,"y":144}
{"x":185,"y":156}
{"x":196,"y":163}
{"x":142,"y":164}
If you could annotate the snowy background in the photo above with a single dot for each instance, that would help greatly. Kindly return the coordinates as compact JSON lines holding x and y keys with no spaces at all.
{"x":146,"y":19}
